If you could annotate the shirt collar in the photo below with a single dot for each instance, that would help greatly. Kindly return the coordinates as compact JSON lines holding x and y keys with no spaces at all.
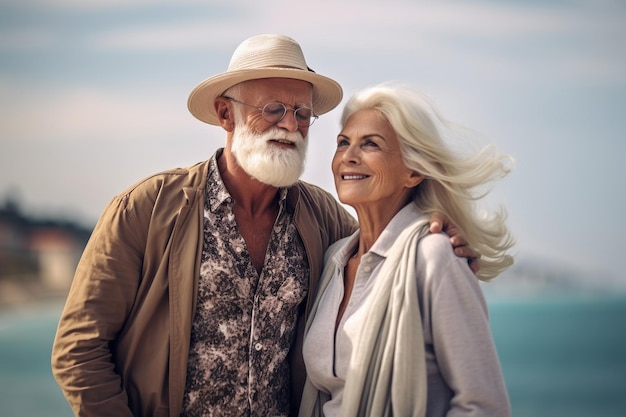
{"x":404,"y":219}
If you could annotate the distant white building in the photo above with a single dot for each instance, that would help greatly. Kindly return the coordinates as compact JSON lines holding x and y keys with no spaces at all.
{"x":57,"y":253}
{"x":38,"y":255}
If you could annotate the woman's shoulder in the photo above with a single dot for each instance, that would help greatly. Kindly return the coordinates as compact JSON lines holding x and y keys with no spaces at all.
{"x":437,"y":262}
{"x":435,"y":244}
{"x":435,"y":250}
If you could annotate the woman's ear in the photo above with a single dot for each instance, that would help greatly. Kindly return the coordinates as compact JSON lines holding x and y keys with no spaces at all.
{"x":414,"y":179}
{"x":224,"y":113}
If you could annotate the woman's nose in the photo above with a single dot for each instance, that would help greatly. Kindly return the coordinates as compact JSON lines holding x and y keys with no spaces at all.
{"x":351,"y":154}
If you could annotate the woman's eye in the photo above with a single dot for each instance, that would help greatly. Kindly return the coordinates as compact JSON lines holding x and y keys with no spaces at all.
{"x":342,"y":142}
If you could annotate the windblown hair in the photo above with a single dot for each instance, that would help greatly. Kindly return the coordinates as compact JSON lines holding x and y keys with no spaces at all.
{"x":452,"y":183}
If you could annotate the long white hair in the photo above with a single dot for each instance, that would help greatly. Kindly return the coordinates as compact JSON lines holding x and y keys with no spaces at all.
{"x":453,"y":181}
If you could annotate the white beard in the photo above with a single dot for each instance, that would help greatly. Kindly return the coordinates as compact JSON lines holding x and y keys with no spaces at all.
{"x":267,"y":163}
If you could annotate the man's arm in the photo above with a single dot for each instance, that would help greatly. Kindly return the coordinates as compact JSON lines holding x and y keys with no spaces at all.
{"x":103,"y":288}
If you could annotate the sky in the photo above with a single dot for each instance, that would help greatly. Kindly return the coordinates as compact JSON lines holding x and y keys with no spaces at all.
{"x":93,"y":98}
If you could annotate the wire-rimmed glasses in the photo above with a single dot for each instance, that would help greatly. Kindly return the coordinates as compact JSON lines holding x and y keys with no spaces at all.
{"x":273,"y":112}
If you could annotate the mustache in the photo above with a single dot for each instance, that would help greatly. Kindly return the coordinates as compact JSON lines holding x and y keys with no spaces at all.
{"x":275,"y":133}
{"x":281,"y":134}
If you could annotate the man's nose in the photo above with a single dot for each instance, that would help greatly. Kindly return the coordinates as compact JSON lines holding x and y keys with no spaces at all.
{"x":288,"y":122}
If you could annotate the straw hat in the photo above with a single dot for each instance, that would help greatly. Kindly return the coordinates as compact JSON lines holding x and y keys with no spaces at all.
{"x":264,"y":56}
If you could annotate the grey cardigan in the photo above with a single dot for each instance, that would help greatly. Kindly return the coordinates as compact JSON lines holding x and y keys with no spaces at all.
{"x":426,"y":330}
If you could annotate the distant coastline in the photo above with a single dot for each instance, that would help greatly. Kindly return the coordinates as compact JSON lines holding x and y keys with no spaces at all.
{"x":18,"y":294}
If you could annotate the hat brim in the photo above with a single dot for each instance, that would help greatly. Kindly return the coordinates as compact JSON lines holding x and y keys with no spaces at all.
{"x":327,"y":93}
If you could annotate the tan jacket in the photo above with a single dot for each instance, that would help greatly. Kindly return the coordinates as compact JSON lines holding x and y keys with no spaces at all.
{"x":123,"y":339}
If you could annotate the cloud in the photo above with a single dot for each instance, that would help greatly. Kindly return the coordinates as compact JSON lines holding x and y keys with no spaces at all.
{"x":33,"y":113}
{"x":179,"y":36}
{"x":450,"y":31}
{"x":106,"y":4}
{"x":447,"y":30}
{"x":25,"y":40}
{"x":347,"y":29}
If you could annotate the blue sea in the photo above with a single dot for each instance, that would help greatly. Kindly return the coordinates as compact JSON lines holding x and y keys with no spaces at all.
{"x":561,"y":357}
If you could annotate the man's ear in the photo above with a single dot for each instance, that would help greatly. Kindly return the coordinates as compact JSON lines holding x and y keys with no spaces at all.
{"x":224,"y":113}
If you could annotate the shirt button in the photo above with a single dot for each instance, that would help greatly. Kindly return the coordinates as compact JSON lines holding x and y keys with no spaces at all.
{"x":238,"y":249}
{"x":258,"y":346}
{"x":367,"y":268}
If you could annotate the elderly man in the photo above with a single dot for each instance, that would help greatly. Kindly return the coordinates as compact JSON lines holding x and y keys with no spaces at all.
{"x":187,"y":298}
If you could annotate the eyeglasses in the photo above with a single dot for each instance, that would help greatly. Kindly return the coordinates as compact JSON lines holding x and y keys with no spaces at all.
{"x":274,"y":112}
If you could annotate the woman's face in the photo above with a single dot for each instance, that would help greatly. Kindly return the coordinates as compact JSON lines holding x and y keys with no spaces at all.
{"x":368,"y":166}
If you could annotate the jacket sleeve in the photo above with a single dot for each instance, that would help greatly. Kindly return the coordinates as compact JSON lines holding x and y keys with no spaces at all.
{"x":101,"y":295}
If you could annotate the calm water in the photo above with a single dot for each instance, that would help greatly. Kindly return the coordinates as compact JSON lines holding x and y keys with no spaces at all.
{"x":564,"y":358}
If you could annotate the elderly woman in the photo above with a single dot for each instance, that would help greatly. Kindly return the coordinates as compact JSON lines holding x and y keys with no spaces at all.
{"x":400,"y":325}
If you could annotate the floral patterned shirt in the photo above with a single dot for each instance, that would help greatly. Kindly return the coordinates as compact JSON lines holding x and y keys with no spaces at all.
{"x":245,"y":322}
